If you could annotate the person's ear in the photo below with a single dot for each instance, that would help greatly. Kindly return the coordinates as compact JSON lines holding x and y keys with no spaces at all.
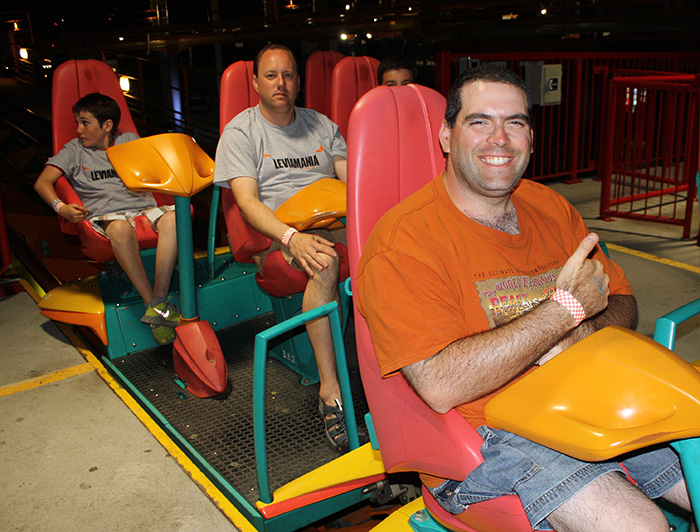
{"x":444,"y":136}
{"x":255,"y":84}
{"x":107,"y":125}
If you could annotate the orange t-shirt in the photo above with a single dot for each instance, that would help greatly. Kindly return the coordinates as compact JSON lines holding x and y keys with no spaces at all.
{"x":429,"y":275}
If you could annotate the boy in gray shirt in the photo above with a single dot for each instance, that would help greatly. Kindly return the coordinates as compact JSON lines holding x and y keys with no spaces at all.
{"x":111,"y":207}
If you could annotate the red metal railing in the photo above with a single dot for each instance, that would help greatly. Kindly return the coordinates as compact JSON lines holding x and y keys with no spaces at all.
{"x":568,"y":135}
{"x":650,"y":156}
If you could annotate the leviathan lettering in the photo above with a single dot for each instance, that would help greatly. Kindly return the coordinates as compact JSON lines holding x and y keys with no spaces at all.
{"x":296,"y":162}
{"x":96,"y":175}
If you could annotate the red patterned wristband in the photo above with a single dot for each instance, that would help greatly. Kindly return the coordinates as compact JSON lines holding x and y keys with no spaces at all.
{"x":570,"y":303}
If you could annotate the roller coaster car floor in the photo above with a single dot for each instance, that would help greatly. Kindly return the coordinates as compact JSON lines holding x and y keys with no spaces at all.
{"x":221,"y":430}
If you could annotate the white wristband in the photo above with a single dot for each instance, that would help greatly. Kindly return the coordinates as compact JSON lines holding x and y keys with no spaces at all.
{"x":288,"y":236}
{"x":57,"y":204}
{"x":570,"y":303}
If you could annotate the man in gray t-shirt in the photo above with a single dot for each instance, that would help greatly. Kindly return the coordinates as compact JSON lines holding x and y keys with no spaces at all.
{"x":265,"y":155}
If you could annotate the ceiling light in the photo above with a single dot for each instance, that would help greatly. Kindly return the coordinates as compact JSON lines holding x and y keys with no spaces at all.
{"x":124,"y":83}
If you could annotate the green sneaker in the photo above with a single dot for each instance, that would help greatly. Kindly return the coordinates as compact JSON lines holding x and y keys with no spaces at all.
{"x":163,"y":314}
{"x":163,"y":334}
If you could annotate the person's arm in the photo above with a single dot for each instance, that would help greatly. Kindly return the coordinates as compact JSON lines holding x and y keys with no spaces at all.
{"x":621,"y":310}
{"x":472,"y":367}
{"x":341,"y":168}
{"x":45,"y":187}
{"x":308,"y":249}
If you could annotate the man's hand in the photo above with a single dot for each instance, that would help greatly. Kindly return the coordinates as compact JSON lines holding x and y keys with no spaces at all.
{"x":584,"y":278}
{"x":73,"y":212}
{"x":310,"y":251}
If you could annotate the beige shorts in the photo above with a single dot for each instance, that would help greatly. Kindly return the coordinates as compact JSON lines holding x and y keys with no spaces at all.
{"x":337,"y":236}
{"x":152,"y":213}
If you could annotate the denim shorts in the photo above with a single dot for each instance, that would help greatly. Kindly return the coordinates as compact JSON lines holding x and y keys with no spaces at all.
{"x":544,"y":479}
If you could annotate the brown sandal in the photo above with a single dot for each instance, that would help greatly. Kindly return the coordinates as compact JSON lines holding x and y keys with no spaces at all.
{"x":336,"y":431}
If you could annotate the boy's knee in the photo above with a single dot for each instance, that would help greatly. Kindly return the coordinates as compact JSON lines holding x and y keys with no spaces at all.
{"x":120,"y":231}
{"x":166,"y":224}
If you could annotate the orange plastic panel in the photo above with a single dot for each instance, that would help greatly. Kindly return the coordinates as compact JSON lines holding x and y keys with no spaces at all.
{"x":316,"y":206}
{"x":172,"y":163}
{"x":78,"y":303}
{"x":81,"y":295}
{"x":613,"y":392}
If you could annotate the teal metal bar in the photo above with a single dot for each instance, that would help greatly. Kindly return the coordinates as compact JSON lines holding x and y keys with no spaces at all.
{"x":689,"y":451}
{"x":211,"y":236}
{"x":665,"y":326}
{"x":259,"y":366}
{"x":185,"y":258}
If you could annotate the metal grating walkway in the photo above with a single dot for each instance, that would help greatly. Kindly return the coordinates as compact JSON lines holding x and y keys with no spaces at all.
{"x":221,"y":430}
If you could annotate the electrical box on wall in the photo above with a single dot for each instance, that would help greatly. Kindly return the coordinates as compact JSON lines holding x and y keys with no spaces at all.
{"x":544,"y":82}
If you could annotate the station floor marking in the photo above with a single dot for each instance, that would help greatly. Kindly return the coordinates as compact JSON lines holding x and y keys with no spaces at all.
{"x":649,"y":256}
{"x":46,"y":379}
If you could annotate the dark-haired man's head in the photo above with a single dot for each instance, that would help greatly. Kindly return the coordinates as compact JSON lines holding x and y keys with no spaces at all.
{"x":487,"y":73}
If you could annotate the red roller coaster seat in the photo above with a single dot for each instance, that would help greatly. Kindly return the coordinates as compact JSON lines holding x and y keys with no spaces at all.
{"x":352,"y":77}
{"x":393,"y":151}
{"x":317,"y":82}
{"x":71,"y":81}
{"x":237,"y":94}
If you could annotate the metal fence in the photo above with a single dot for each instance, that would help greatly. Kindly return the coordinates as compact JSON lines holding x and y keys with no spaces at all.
{"x":650,"y":156}
{"x":568,"y":134}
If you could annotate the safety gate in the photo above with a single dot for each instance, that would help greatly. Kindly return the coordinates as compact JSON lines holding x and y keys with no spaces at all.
{"x":649,"y":155}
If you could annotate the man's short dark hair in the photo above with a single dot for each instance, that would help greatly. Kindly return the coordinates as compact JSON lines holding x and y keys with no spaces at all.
{"x":273,"y":46}
{"x":486,"y":72}
{"x":101,"y":106}
{"x":395,"y":63}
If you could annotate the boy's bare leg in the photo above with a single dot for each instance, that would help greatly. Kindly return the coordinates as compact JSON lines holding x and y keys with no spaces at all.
{"x":166,"y":254}
{"x":126,"y":250}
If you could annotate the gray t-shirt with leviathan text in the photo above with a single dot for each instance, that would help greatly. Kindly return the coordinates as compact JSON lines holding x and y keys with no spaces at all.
{"x":283,"y":159}
{"x":96,"y":182}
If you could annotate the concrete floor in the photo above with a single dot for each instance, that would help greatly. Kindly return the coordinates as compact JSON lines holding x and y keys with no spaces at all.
{"x":75,"y":457}
{"x":663,"y":269}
